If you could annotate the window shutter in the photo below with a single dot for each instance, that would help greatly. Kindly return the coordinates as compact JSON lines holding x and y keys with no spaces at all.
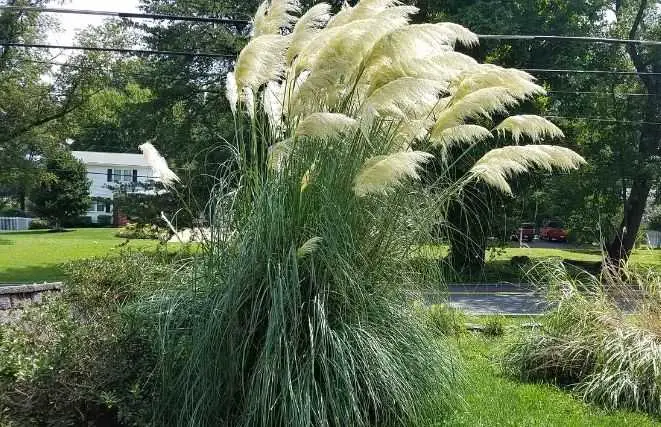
{"x":109,"y":175}
{"x":107,"y":207}
{"x":135,"y":175}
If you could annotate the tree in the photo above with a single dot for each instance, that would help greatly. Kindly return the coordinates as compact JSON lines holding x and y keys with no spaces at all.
{"x":642,"y":19}
{"x":64,"y":189}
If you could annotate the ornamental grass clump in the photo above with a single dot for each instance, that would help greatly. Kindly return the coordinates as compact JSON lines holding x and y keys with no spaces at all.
{"x":299,"y":314}
{"x":603,"y":340}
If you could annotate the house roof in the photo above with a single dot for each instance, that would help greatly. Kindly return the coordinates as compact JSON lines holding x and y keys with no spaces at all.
{"x":111,"y":159}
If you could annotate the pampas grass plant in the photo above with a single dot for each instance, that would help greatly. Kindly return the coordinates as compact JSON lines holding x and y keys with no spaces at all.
{"x":298,"y":315}
{"x":603,"y":339}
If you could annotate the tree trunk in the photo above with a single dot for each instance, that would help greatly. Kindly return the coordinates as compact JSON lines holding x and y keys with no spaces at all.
{"x":650,"y":145}
{"x":621,"y":246}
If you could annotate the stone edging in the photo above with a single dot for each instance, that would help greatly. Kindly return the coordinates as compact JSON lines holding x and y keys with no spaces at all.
{"x":18,"y":296}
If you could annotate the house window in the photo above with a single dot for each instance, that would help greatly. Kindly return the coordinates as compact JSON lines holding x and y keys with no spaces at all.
{"x":100,"y":206}
{"x":117,"y":175}
{"x":127,"y":175}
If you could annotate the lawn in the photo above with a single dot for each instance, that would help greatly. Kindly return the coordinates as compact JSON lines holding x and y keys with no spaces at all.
{"x":36,"y":256}
{"x":495,"y":400}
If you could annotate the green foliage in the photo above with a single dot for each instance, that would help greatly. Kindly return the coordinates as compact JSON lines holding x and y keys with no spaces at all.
{"x":139,"y":231}
{"x":102,"y":220}
{"x":654,"y":219}
{"x":39,"y":224}
{"x":494,"y":399}
{"x":86,"y":357}
{"x":494,"y":326}
{"x":64,"y":192}
{"x":444,"y":320}
{"x":590,"y":344}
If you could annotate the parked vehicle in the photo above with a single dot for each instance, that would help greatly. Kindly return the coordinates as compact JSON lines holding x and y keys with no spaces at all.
{"x":525,"y":232}
{"x":553,"y":230}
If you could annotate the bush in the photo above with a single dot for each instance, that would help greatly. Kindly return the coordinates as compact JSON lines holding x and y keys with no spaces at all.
{"x":654,"y":219}
{"x":494,"y":326}
{"x":104,"y":220}
{"x":86,"y":357}
{"x":78,"y":222}
{"x":13,"y":212}
{"x":143,"y":231}
{"x":39,"y":224}
{"x":444,"y":320}
{"x":588,"y":343}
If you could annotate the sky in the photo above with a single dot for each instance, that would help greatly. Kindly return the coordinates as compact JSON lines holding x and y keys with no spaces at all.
{"x":71,"y":23}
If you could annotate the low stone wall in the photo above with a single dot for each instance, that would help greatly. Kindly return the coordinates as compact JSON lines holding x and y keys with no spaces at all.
{"x":13,"y":298}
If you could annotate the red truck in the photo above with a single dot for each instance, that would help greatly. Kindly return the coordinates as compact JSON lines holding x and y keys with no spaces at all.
{"x":525,"y":232}
{"x":553,"y":230}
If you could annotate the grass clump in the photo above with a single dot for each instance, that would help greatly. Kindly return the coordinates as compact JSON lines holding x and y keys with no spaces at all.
{"x":301,"y":317}
{"x":444,"y":320}
{"x":603,"y":340}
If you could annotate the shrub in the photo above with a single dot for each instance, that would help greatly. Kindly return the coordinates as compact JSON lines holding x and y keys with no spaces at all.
{"x":590,"y":344}
{"x":86,"y":357}
{"x":494,"y":326}
{"x":39,"y":224}
{"x":142,"y":231}
{"x":104,"y":220}
{"x":444,"y":320}
{"x":78,"y":222}
{"x":13,"y":212}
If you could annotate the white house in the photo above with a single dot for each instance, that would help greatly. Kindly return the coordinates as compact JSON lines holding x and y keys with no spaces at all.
{"x":108,"y":170}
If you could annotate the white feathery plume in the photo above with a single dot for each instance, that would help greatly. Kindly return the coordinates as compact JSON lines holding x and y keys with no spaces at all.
{"x":262,"y":60}
{"x":310,"y":24}
{"x":272,"y":99}
{"x":231,"y":91}
{"x":310,"y":246}
{"x":307,"y":177}
{"x":410,"y":131}
{"x":535,"y":127}
{"x":481,"y":103}
{"x":495,"y":167}
{"x":274,"y":15}
{"x":158,"y":164}
{"x":325,"y":125}
{"x":519,"y":83}
{"x":443,"y":67}
{"x":336,"y":65}
{"x":458,"y":136}
{"x":381,"y":173}
{"x":365,"y":9}
{"x":404,"y":98}
{"x":457,"y":33}
{"x":277,"y":154}
{"x":248,"y":99}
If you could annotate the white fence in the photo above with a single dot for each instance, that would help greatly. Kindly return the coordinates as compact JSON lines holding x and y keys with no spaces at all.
{"x":14,"y":223}
{"x":654,"y":239}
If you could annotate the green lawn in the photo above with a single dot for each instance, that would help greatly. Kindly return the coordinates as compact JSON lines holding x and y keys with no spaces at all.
{"x":36,"y":256}
{"x":495,"y":400}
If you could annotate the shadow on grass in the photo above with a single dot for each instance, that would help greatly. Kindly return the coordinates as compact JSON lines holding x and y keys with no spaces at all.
{"x":32,"y":274}
{"x":6,"y":242}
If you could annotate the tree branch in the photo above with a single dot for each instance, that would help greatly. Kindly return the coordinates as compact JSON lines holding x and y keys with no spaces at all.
{"x":631,"y":48}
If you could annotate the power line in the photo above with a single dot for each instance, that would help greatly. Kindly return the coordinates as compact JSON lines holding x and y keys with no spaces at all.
{"x":158,"y":16}
{"x":155,"y":16}
{"x":604,"y":120}
{"x":569,"y":38}
{"x":225,"y":55}
{"x":624,"y":73}
{"x":121,"y":50}
{"x":587,"y":92}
